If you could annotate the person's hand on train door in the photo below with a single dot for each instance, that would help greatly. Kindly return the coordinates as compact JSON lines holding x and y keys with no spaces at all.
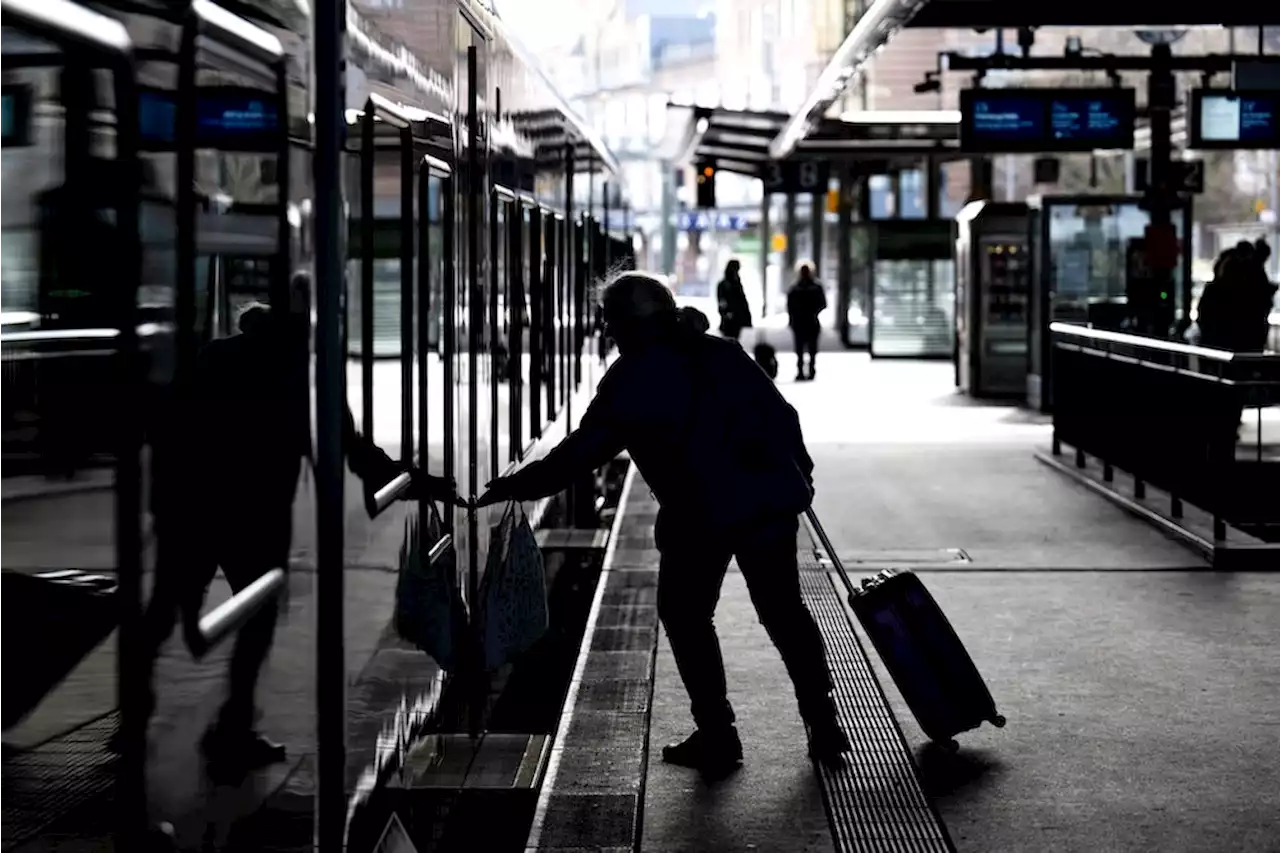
{"x":497,"y":491}
{"x":430,"y":487}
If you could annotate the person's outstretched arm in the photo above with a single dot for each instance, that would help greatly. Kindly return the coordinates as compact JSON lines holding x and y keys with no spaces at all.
{"x":375,"y":468}
{"x":597,"y":440}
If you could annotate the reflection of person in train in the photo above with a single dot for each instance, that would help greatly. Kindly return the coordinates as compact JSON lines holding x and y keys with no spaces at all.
{"x":226,"y":474}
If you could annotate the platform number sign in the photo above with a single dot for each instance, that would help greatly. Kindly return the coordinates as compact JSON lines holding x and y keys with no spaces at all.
{"x":792,"y":176}
{"x":1186,"y":177}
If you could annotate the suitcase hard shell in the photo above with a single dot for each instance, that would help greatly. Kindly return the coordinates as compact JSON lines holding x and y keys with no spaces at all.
{"x":913,"y":637}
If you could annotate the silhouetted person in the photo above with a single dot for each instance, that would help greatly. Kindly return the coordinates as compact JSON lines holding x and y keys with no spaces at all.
{"x":1235,"y":306}
{"x":226,"y":472}
{"x":723,"y":453}
{"x":805,"y":301}
{"x":735,"y":313}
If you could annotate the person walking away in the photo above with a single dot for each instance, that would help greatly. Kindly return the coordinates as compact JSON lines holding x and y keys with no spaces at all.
{"x":735,"y":313}
{"x":805,"y":301}
{"x":724,"y":454}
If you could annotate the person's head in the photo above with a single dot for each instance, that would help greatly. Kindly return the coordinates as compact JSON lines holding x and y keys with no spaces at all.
{"x":732,"y":269}
{"x":254,"y":318}
{"x":1262,"y":250}
{"x":805,"y":271}
{"x":637,"y":307}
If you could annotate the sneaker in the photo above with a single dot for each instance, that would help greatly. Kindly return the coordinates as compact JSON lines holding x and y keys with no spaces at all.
{"x":828,"y":743}
{"x":714,"y":755}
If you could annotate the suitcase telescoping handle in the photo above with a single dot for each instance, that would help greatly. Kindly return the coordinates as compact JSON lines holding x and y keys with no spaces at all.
{"x":831,"y":551}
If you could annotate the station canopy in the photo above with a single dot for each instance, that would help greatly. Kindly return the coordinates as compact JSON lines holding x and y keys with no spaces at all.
{"x":738,"y":140}
{"x":747,"y":141}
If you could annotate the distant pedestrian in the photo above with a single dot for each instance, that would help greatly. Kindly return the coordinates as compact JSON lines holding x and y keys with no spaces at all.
{"x":806,"y":300}
{"x":735,"y":313}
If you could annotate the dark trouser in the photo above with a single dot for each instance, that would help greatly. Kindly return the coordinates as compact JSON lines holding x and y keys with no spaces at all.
{"x":691,"y":574}
{"x":806,"y":341}
{"x":186,"y":563}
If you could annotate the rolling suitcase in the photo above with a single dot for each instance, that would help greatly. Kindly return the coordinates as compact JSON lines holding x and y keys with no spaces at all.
{"x":919,"y":647}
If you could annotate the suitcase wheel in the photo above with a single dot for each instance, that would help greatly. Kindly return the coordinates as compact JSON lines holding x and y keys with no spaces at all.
{"x":949,"y":744}
{"x":998,"y":721}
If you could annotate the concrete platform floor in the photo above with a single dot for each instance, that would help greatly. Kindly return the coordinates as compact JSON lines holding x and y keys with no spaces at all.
{"x":1140,"y":687}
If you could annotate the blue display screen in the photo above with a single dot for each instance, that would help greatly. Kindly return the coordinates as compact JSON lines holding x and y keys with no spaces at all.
{"x":1046,"y":120}
{"x":16,"y":115}
{"x":1237,"y":120}
{"x":226,"y":119}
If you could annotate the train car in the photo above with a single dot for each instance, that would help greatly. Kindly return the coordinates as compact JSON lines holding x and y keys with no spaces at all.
{"x":468,"y":322}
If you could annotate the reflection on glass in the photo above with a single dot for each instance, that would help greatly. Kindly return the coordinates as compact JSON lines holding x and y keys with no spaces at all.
{"x":1087,"y":258}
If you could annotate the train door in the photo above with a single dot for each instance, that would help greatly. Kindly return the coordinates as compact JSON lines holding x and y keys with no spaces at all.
{"x":436,"y":331}
{"x":72,"y":374}
{"x":380,"y":280}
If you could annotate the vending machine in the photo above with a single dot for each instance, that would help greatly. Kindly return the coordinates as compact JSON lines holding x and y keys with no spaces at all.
{"x":993,"y":292}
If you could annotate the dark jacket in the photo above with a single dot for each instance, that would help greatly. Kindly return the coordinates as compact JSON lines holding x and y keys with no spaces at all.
{"x":1235,"y":306}
{"x":735,"y":313}
{"x":717,"y":444}
{"x":805,"y":301}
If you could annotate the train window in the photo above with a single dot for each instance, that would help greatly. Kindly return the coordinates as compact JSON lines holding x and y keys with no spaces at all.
{"x":496,"y":339}
{"x":535,"y":360}
{"x":519,"y":312}
{"x":433,"y":387}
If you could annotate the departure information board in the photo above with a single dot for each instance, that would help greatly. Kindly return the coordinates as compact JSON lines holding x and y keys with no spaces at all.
{"x":1227,"y":119}
{"x":227,"y":118}
{"x":995,"y":121}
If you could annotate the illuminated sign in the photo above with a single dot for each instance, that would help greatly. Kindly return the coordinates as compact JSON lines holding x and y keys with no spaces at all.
{"x":1045,"y":120}
{"x":17,"y":115}
{"x":227,"y":119}
{"x":1227,"y":119}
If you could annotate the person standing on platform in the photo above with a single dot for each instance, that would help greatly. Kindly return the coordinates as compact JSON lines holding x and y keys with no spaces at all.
{"x":805,"y":301}
{"x":735,"y":313}
{"x":723,"y":453}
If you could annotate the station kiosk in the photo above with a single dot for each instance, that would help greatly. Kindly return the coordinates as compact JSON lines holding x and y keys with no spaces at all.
{"x":993,"y":284}
{"x":1083,"y":250}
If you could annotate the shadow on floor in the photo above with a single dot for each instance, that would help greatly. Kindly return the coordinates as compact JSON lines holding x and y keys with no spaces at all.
{"x":947,"y":774}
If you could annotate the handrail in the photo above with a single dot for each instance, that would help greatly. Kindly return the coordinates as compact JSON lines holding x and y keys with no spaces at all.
{"x":391,"y":492}
{"x":1140,"y":341}
{"x":232,"y":614}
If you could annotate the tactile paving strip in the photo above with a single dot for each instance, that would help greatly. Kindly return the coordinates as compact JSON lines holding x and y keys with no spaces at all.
{"x":875,"y":801}
{"x":50,"y":781}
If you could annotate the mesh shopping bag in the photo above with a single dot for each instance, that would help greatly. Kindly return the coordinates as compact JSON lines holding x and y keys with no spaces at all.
{"x":429,"y":609}
{"x":513,"y":594}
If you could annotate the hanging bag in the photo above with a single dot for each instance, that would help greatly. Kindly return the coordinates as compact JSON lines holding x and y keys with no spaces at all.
{"x":513,"y":593}
{"x":430,"y":612}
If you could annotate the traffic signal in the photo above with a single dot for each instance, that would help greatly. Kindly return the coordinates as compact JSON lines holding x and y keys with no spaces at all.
{"x":705,"y":180}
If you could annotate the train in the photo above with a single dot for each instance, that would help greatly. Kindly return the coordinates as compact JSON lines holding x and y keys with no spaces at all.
{"x":158,"y":177}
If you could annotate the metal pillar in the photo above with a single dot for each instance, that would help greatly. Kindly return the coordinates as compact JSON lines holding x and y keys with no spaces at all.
{"x":817,"y":223}
{"x":844,"y":253}
{"x":766,"y":248}
{"x":331,"y":400}
{"x":980,"y":178}
{"x":667,"y":229}
{"x":1161,"y":245}
{"x":789,"y":223}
